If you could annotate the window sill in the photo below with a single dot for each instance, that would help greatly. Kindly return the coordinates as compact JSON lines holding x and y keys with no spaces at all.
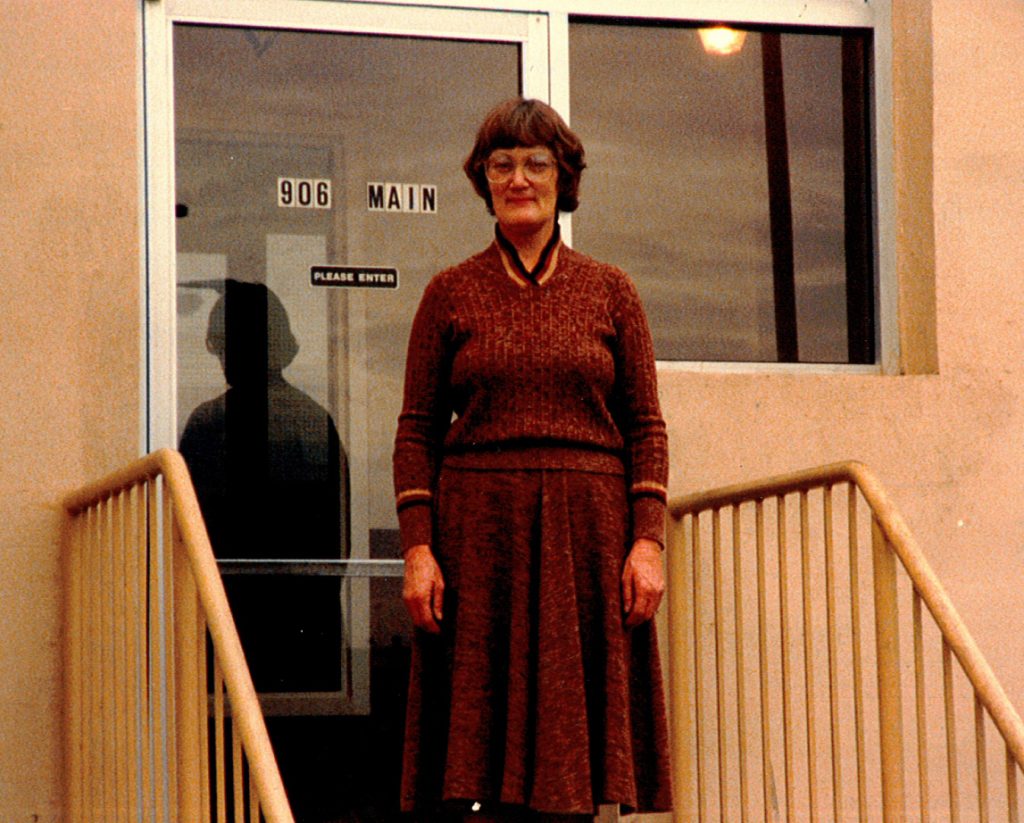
{"x":716,"y":367}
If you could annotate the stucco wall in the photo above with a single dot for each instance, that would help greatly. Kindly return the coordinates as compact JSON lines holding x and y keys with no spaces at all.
{"x":979,"y":207}
{"x":69,"y":336}
{"x":950,"y":446}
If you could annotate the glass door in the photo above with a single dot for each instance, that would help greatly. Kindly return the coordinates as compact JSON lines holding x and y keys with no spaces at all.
{"x":305,"y":183}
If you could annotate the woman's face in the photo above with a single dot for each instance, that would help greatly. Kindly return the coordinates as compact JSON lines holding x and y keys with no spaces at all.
{"x":524,"y":187}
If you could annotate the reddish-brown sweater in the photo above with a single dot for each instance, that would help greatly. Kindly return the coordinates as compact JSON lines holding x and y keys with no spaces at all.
{"x":553,"y":374}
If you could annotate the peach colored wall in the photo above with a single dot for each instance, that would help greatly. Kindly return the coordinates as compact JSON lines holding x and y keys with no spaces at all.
{"x":949,"y":447}
{"x":69,"y":336}
{"x":979,"y":206}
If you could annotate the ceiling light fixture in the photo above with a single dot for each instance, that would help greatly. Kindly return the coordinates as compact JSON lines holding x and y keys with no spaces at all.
{"x":722,"y":40}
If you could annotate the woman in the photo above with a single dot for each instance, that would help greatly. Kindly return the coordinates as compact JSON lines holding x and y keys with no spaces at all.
{"x":532,"y":524}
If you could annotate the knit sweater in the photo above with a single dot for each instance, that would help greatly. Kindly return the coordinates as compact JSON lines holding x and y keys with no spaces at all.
{"x":552,"y":373}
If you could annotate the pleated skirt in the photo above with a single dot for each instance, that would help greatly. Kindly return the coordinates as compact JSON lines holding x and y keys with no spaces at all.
{"x":535,"y":694}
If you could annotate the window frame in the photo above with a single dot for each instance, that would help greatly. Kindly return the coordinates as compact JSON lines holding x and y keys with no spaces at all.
{"x":820,"y":14}
{"x":874,"y":15}
{"x":862,"y":317}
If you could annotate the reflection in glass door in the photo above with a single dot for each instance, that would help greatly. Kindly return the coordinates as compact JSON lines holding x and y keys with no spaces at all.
{"x":295,"y":150}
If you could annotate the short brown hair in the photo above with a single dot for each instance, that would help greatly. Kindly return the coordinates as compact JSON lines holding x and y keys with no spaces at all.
{"x":521,"y":122}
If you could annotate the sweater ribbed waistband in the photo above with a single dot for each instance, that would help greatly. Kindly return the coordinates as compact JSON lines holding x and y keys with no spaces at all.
{"x":568,"y":458}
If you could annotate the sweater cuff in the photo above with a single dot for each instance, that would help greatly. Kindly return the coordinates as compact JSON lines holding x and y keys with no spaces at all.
{"x":414,"y":523}
{"x":649,"y":519}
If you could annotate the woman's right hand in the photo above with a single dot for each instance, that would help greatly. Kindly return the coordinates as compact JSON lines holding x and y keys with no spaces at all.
{"x":423,"y":588}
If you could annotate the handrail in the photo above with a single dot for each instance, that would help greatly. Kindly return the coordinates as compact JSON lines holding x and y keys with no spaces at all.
{"x":976,"y":667}
{"x":892,"y":532}
{"x":963,"y":645}
{"x":780,"y":484}
{"x":185,"y":520}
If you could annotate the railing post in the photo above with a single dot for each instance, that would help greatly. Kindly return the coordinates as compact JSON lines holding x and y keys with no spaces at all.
{"x":191,"y":715}
{"x":682,"y":710}
{"x":73,"y":666}
{"x":887,"y":644}
{"x":153,"y":726}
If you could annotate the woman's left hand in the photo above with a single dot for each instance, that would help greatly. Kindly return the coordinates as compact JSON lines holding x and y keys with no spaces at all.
{"x":643,"y":582}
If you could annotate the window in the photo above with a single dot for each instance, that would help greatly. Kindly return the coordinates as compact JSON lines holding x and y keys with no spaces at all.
{"x":734,"y":188}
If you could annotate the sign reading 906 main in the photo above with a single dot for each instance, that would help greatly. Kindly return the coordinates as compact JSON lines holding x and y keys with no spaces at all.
{"x":303,"y":193}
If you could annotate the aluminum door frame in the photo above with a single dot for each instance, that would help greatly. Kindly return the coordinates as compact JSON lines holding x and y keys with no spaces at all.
{"x":529,"y":31}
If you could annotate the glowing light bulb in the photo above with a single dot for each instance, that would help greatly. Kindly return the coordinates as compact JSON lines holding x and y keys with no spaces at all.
{"x":722,"y":40}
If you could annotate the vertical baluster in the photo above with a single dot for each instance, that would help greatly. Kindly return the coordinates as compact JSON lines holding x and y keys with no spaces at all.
{"x":73,"y":670}
{"x":952,"y":768}
{"x":833,"y":656}
{"x":92,"y":748}
{"x":887,"y":644}
{"x":808,"y":631}
{"x":157,"y":661}
{"x":130,"y":683}
{"x":741,"y":706}
{"x":237,"y":773}
{"x":135,"y":620}
{"x":140,"y":711}
{"x":107,"y":641}
{"x":151,"y":782}
{"x":767,"y":778}
{"x":94,"y":742}
{"x":698,"y":658}
{"x":254,"y":802}
{"x":121,"y":676}
{"x":684,"y":711}
{"x":219,"y":758}
{"x":980,"y":759}
{"x":88,"y":651}
{"x":922,"y":721}
{"x":98,"y":628}
{"x":855,"y":642}
{"x":1011,"y":787}
{"x":787,"y":707}
{"x":202,"y":704}
{"x":168,"y":631}
{"x":720,"y":698}
{"x":189,"y":719}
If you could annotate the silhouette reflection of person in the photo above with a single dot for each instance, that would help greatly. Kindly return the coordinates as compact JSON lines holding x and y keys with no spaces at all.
{"x":270,"y":474}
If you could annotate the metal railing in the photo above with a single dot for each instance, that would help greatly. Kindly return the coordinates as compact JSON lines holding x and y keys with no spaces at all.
{"x":819,"y":670}
{"x":158,"y":728}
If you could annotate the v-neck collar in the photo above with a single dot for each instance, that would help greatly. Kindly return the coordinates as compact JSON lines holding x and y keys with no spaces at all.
{"x":514,"y":267}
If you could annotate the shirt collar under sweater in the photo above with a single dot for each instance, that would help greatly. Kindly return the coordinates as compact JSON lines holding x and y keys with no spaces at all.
{"x":545,"y":263}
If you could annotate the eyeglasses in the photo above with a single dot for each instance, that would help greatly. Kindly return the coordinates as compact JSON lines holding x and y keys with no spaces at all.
{"x":537,"y":168}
